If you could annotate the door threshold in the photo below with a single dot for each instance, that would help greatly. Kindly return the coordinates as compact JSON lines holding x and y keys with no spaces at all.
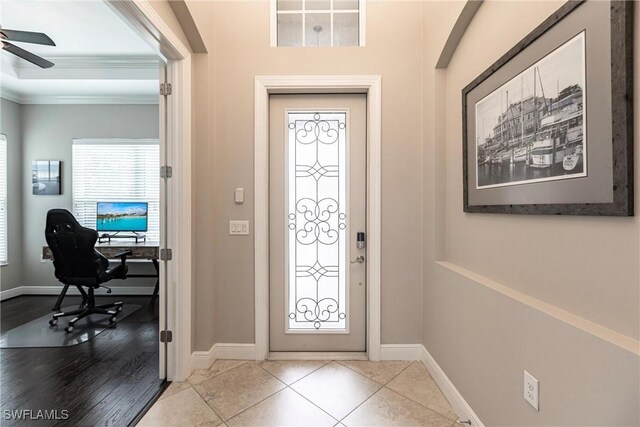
{"x":317,"y":355}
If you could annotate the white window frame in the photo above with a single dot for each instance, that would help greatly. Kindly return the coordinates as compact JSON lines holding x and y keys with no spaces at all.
{"x":115,"y":142}
{"x":4,"y":205}
{"x":274,"y":21}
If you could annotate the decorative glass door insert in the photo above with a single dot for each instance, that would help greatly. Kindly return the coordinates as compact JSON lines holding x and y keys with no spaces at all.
{"x":316,"y":203}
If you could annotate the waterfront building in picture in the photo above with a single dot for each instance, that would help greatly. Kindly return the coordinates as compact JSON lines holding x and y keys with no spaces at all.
{"x":531,"y":129}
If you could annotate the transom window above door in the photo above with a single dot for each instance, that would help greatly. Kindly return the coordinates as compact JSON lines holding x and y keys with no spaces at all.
{"x":317,"y":23}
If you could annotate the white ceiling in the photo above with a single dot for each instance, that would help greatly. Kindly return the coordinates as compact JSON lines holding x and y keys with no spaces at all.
{"x":96,"y":54}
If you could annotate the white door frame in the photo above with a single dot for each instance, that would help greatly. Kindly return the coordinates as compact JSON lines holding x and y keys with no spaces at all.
{"x":147,"y":23}
{"x":264,"y":86}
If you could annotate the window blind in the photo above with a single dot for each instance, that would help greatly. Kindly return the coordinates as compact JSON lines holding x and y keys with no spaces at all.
{"x":116,"y":170}
{"x":3,"y":201}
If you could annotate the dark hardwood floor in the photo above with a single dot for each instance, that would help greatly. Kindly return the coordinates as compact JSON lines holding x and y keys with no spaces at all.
{"x":106,"y":381}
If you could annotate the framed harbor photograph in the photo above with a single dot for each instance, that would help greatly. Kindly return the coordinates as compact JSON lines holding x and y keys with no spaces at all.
{"x":548,"y":128}
{"x":531,"y":128}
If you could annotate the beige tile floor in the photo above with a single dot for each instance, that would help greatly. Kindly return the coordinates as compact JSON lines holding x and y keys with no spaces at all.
{"x":304,"y":393}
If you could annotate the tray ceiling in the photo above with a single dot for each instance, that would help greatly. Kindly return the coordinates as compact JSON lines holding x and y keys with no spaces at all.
{"x":97,"y":56}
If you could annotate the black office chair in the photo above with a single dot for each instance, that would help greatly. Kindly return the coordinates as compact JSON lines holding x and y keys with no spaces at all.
{"x":77,"y":263}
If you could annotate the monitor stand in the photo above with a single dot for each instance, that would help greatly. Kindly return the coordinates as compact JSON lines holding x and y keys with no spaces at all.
{"x":106,"y":238}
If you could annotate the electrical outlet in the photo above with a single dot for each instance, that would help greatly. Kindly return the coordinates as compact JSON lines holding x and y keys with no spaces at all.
{"x":531,"y":390}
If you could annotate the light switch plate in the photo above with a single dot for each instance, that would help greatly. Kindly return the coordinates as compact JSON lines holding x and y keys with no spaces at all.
{"x":239,"y":228}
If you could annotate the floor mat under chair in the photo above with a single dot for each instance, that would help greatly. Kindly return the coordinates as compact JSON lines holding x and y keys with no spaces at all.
{"x":38,"y":333}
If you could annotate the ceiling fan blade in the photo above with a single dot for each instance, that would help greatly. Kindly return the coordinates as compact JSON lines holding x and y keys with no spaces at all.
{"x":26,"y":37}
{"x":27,"y":56}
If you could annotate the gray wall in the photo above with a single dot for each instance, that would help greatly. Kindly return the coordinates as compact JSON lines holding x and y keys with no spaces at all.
{"x":482,"y":336}
{"x":484,"y":340}
{"x":11,"y":126}
{"x":223,"y":157}
{"x":487,"y":308}
{"x":48,"y":131}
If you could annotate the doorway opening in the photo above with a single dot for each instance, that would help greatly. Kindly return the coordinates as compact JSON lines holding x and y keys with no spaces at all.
{"x":175,"y":140}
{"x":113,"y":142}
{"x":266,"y":87}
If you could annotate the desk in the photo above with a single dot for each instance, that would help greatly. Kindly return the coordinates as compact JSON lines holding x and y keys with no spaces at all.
{"x":143,"y":251}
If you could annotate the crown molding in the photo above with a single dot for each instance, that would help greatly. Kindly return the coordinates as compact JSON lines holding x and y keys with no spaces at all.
{"x":10,"y":95}
{"x":84,"y":68}
{"x":142,"y":68}
{"x":79,"y":99}
{"x":106,"y":62}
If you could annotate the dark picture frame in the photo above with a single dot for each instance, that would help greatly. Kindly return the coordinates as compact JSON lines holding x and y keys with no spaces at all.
{"x":605,"y":187}
{"x":46,"y":177}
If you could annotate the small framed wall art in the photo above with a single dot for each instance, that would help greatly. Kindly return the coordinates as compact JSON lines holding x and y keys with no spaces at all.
{"x":46,"y":177}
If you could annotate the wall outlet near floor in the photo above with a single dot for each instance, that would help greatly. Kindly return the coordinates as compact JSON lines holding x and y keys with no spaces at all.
{"x":239,"y":228}
{"x":531,"y":390}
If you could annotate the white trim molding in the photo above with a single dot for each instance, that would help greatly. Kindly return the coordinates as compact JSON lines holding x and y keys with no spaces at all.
{"x":99,"y":69}
{"x":11,"y":293}
{"x":234,"y":351}
{"x":56,"y":289}
{"x":457,"y":402}
{"x":79,"y":99}
{"x":417,"y":352}
{"x":264,"y":86}
{"x":609,"y":335}
{"x":180,"y":283}
{"x":89,"y":68}
{"x":146,"y":22}
{"x":401,"y":351}
{"x":10,"y":95}
{"x":147,"y":62}
{"x":204,"y":359}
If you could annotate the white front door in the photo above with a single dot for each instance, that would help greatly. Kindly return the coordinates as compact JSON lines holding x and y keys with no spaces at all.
{"x":317,"y":208}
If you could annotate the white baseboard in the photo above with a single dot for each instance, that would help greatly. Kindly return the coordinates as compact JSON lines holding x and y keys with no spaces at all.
{"x":459,"y":405}
{"x":317,"y":355}
{"x":10,"y":293}
{"x":204,"y":359}
{"x":401,"y":351}
{"x":55,"y":290}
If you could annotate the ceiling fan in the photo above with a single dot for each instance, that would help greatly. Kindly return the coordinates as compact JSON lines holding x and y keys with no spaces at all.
{"x":26,"y":37}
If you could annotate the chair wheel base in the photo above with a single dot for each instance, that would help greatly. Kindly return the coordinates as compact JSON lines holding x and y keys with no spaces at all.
{"x":112,"y":320}
{"x":68,"y":328}
{"x":53,"y":322}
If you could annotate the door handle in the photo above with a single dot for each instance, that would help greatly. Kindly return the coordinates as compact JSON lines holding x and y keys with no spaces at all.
{"x":358,"y":260}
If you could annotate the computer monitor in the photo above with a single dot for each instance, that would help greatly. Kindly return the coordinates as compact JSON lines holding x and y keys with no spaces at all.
{"x":122,"y":216}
